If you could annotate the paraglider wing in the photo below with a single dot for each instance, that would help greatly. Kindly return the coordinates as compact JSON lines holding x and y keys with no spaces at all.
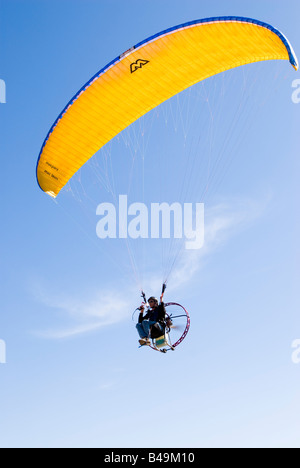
{"x":145,"y":76}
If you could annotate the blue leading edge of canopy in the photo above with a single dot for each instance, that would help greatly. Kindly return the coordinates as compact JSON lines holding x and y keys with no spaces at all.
{"x":292,"y":58}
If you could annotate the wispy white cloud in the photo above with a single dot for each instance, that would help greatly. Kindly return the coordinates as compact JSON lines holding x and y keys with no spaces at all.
{"x":222,"y":222}
{"x":106,"y":386}
{"x":83,"y":315}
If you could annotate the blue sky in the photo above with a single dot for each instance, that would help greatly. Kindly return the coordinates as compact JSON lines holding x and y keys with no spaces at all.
{"x":74,"y":376}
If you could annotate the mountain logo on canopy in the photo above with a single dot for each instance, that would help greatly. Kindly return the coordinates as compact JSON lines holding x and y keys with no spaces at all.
{"x":138,"y":64}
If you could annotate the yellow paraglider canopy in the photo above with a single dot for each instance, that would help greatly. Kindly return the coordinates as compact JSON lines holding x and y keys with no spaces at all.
{"x":145,"y":76}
